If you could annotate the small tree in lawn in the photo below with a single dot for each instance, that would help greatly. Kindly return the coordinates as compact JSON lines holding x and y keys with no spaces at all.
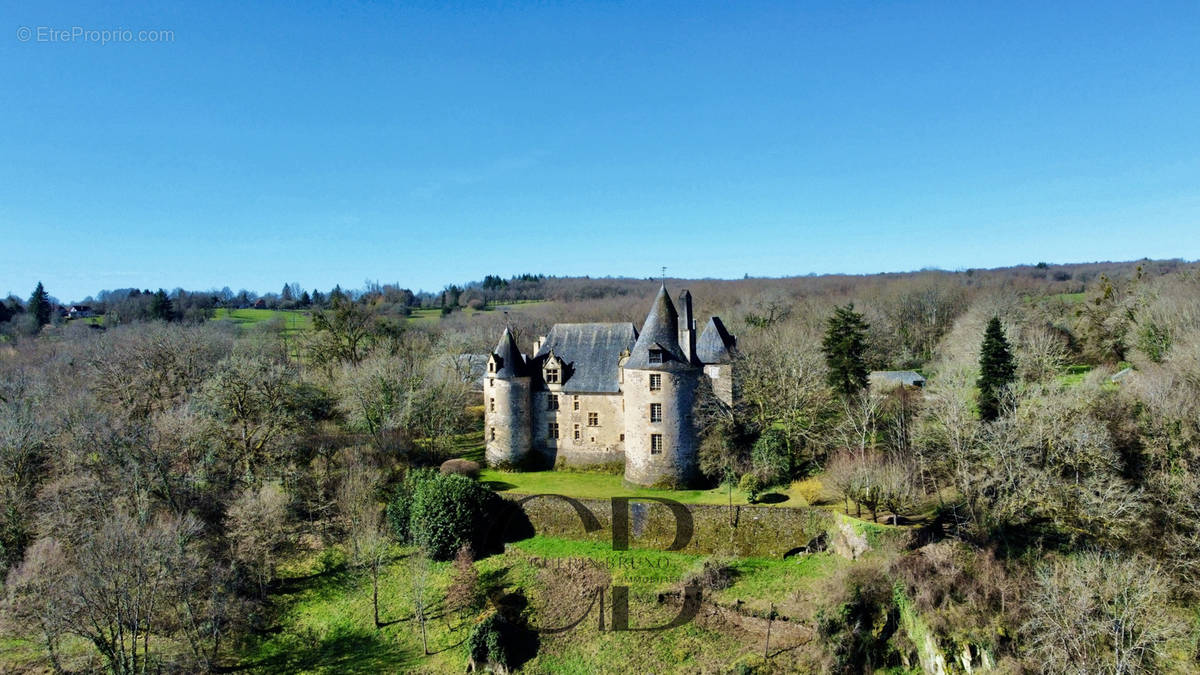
{"x":420,"y":594}
{"x":997,"y":370}
{"x":464,"y":584}
{"x":39,"y":305}
{"x":845,"y":347}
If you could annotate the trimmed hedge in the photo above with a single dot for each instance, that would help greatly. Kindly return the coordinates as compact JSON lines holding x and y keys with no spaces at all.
{"x":399,"y":509}
{"x":448,"y":511}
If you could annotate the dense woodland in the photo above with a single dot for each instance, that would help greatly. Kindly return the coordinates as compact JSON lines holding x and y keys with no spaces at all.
{"x":157,"y":468}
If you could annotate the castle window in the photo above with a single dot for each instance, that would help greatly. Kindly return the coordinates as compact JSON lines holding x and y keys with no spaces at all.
{"x":551,"y":402}
{"x":622,"y":438}
{"x":578,"y":433}
{"x":655,"y":382}
{"x":656,"y":356}
{"x":552,"y":376}
{"x":491,"y":366}
{"x":493,"y":433}
{"x":656,"y":444}
{"x":655,"y":412}
{"x":575,"y":402}
{"x":491,"y":405}
{"x":552,"y":431}
{"x":593,"y":419}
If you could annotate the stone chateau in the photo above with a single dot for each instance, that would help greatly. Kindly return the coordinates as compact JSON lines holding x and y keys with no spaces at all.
{"x":603,"y":393}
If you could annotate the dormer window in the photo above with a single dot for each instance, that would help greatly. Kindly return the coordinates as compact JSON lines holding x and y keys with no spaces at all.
{"x":552,"y":376}
{"x":656,"y":356}
{"x":491,"y":366}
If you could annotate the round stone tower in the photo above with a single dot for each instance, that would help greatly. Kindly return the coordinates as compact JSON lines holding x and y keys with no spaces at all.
{"x":659,"y":387}
{"x":507,"y":402}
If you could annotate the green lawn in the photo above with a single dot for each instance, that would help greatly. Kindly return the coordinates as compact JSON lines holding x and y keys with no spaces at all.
{"x":325,"y":624}
{"x":1073,"y":375}
{"x":587,"y":485}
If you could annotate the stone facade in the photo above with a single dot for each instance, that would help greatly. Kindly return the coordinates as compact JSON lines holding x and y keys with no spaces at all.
{"x":590,"y":427}
{"x":595,"y":394}
{"x":660,"y":450}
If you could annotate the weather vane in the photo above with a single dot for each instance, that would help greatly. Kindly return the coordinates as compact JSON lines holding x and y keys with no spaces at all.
{"x":664,"y":275}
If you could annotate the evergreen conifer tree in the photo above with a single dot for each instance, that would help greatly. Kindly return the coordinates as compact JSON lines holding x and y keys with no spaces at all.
{"x":39,"y":305}
{"x":160,"y":306}
{"x":997,"y":370}
{"x":845,"y":347}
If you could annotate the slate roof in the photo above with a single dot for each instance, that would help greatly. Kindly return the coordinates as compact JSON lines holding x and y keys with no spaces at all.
{"x":512,"y":361}
{"x":907,"y":378}
{"x":590,"y":352}
{"x":715,"y":345}
{"x":661,"y":331}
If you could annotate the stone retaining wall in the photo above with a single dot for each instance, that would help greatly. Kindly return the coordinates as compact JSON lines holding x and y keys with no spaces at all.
{"x":765,"y":531}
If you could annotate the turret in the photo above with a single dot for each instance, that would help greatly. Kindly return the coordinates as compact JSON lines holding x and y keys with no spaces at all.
{"x":659,"y":385}
{"x":717,"y":350}
{"x":507,"y":404}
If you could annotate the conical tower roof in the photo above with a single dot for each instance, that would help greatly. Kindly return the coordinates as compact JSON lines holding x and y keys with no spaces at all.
{"x":511,"y":363}
{"x":660,"y":332}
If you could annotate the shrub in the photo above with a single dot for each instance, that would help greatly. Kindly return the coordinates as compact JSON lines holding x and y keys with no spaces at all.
{"x":449,"y":511}
{"x":461,"y":467}
{"x":771,"y":458}
{"x":751,"y":484}
{"x":860,"y":620}
{"x":399,"y":509}
{"x":487,"y":643}
{"x":811,"y":490}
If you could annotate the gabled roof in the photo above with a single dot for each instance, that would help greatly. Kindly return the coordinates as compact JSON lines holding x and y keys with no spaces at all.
{"x":715,"y":345}
{"x":510,"y":360}
{"x":896,"y":378}
{"x":591,"y":353}
{"x":661,"y":331}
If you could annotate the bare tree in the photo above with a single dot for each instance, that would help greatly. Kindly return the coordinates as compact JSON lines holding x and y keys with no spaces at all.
{"x":111,"y":588}
{"x":1098,"y":613}
{"x":257,"y":527}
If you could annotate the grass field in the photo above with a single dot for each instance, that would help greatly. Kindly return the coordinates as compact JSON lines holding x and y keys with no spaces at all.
{"x":1070,"y":298}
{"x":293,"y":321}
{"x":325,"y":622}
{"x":433,"y":315}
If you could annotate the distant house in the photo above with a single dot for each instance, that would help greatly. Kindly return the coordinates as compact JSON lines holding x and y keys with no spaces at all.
{"x":890,"y":379}
{"x":1121,"y":375}
{"x":80,"y":312}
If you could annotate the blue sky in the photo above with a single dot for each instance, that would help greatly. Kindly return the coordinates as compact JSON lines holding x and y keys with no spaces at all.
{"x":433,"y":143}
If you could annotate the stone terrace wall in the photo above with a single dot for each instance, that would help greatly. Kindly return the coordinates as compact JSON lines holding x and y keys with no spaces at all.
{"x":757,"y":531}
